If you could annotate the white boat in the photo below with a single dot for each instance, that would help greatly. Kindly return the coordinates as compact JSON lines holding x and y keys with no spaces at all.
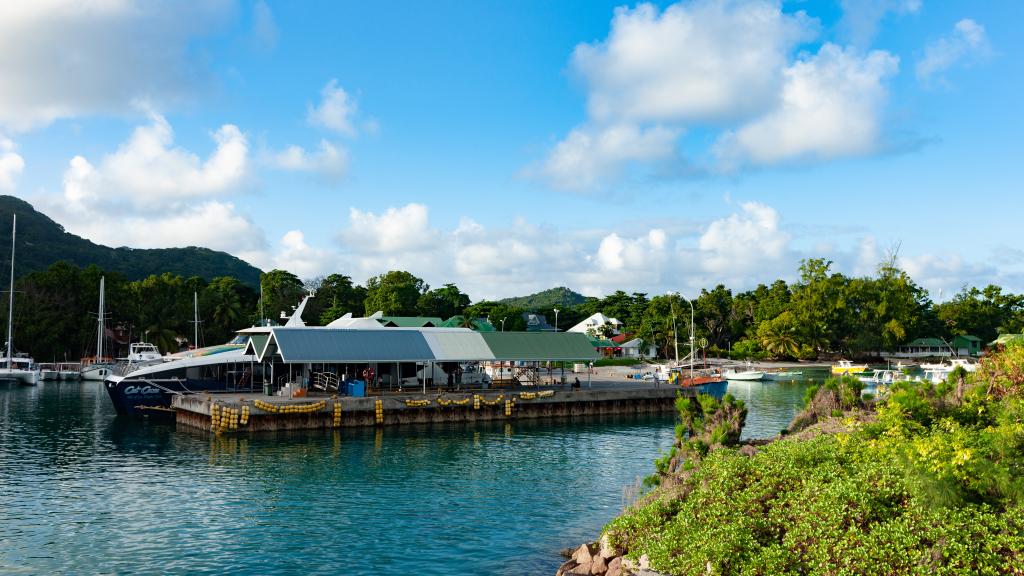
{"x":140,"y":354}
{"x":749,"y":375}
{"x":784,"y":375}
{"x":99,"y":366}
{"x":68,"y":371}
{"x":952,"y":364}
{"x":48,"y":372}
{"x":16,"y":369}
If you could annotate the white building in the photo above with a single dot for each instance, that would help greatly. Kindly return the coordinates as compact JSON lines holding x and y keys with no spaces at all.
{"x":593,"y":324}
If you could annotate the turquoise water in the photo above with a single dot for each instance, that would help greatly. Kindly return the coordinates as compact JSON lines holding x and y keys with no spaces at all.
{"x":82,"y":491}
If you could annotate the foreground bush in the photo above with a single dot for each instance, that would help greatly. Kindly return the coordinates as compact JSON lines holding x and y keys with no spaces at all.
{"x":931,"y":484}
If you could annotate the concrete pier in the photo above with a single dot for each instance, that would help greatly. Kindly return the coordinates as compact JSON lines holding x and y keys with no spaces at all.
{"x":237,"y":412}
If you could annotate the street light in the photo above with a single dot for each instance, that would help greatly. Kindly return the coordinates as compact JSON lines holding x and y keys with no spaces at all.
{"x":503,"y":324}
{"x":556,"y":319}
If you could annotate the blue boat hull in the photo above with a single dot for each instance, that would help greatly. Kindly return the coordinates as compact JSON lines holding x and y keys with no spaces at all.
{"x":716,"y":389}
{"x":141,"y":398}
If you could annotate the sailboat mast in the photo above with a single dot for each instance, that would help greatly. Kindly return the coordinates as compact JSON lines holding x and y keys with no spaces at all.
{"x":99,"y":327}
{"x":10,"y":301}
{"x":195,"y":312}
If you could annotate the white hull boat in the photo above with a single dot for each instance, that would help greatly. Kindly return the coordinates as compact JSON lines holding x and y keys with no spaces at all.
{"x":745,"y":375}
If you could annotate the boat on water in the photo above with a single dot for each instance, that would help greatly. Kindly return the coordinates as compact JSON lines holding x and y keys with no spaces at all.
{"x":48,"y":372}
{"x":951,"y":364}
{"x":784,"y":375}
{"x":20,"y":368}
{"x":847,"y":367}
{"x":704,"y":380}
{"x":884,"y":377}
{"x":745,"y":375}
{"x":98,"y":367}
{"x":69,"y":371}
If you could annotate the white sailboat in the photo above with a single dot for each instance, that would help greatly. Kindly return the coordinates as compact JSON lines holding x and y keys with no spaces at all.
{"x":100,"y":367}
{"x":19,"y":369}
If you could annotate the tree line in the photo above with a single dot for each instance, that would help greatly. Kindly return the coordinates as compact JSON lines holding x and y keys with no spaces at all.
{"x":822,"y":313}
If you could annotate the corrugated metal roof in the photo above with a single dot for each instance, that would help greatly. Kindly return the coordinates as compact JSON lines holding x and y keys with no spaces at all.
{"x":539,"y":346}
{"x":458,"y":346}
{"x":326,"y":345}
{"x":410,"y":321}
{"x":257,"y":342}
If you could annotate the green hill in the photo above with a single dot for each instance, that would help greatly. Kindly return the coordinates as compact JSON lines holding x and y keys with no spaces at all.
{"x":41,"y":242}
{"x":551,"y":297}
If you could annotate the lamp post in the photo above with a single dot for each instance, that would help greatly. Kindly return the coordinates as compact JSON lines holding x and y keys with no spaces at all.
{"x":503,"y":323}
{"x":556,"y":319}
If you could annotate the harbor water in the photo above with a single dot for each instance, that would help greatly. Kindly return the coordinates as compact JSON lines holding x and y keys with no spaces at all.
{"x":82,"y":491}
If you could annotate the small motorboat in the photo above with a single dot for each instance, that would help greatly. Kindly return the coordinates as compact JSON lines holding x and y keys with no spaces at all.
{"x":747,"y":375}
{"x":846,"y":367}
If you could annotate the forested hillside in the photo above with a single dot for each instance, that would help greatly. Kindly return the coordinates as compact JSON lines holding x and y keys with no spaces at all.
{"x":42,"y":242}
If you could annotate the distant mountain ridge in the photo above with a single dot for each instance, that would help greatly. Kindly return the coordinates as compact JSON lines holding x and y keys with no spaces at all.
{"x":560,"y":296}
{"x":41,"y":242}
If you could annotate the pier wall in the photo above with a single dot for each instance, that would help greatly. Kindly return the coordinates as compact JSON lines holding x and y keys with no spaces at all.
{"x":195,"y":410}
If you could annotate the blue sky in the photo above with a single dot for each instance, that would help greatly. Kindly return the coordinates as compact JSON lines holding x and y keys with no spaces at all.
{"x":510,"y":147}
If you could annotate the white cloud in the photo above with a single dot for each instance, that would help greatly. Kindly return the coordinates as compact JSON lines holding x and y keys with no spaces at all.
{"x":860,"y":20}
{"x":150,"y":193}
{"x":725,"y":66}
{"x":397,"y":230}
{"x":296,"y":256}
{"x":588,"y":155}
{"x":330,"y":160}
{"x":743,"y":244}
{"x":831,"y":106}
{"x":11,"y":164}
{"x":946,"y":273}
{"x":148,"y":170}
{"x":336,"y":110}
{"x":696,"y":61}
{"x":212,"y":224}
{"x":66,"y":58}
{"x":967,"y":43}
{"x":264,"y":30}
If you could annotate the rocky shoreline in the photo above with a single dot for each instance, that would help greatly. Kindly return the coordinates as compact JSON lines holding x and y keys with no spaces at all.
{"x":602,"y":559}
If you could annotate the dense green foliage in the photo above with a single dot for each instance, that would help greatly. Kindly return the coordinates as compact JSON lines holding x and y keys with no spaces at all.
{"x":822,"y":314}
{"x":560,"y":297}
{"x":42,"y":242}
{"x":932,"y":483}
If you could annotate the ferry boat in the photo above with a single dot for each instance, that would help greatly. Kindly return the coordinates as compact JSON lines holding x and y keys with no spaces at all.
{"x":146,"y":386}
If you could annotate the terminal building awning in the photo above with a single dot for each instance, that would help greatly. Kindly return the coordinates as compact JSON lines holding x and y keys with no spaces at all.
{"x":540,"y":346}
{"x":341,"y":346}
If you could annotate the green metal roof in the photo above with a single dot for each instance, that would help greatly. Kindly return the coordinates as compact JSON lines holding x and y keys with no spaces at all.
{"x":328,"y":345}
{"x":479,"y":324}
{"x":967,"y":337}
{"x":927,"y":342}
{"x":601,"y":342}
{"x":257,"y":342}
{"x":410,"y":321}
{"x":540,"y":346}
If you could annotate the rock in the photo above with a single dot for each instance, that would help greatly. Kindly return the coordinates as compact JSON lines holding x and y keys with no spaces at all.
{"x":565,"y":567}
{"x":582,"y":568}
{"x":614,"y":567}
{"x":644,"y":563}
{"x":748,"y":450}
{"x":628,"y":565}
{"x":599,"y":566}
{"x":583,"y":554}
{"x":566,"y":552}
{"x":607,"y":550}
